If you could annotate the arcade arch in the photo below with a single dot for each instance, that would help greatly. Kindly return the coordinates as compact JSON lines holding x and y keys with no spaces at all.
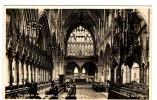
{"x":72,"y":71}
{"x":90,"y":70}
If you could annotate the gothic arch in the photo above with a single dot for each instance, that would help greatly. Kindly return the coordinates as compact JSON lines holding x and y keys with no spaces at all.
{"x":90,"y":68}
{"x":69,"y":69}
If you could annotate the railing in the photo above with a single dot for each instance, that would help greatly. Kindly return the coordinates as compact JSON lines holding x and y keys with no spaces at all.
{"x":128,"y":91}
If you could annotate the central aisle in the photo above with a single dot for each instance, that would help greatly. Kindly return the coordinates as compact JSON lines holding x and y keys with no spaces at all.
{"x":86,"y":92}
{"x":90,"y":94}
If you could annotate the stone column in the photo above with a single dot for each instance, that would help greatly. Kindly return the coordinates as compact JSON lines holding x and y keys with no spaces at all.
{"x":54,"y":70}
{"x":41,"y":75}
{"x":34,"y":73}
{"x":22,"y":66}
{"x":9,"y":60}
{"x":25,"y":73}
{"x":11,"y":72}
{"x":37,"y":72}
{"x":38,"y":75}
{"x":47,"y":73}
{"x":147,"y":75}
{"x":99,"y":73}
{"x":17,"y":72}
{"x":51,"y":74}
{"x":105,"y":70}
{"x":20,"y":73}
{"x":44,"y":75}
{"x":14,"y":72}
{"x":57,"y":70}
{"x":109,"y":75}
{"x":31,"y":68}
{"x":7,"y":71}
{"x":128,"y":79}
{"x":115,"y":74}
{"x":29,"y":72}
{"x":61,"y":68}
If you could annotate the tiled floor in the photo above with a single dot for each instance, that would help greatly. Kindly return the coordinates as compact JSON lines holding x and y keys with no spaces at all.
{"x":82,"y":92}
{"x":90,"y":94}
{"x":86,"y":92}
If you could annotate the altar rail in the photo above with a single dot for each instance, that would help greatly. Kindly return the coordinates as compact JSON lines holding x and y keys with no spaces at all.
{"x":128,"y":91}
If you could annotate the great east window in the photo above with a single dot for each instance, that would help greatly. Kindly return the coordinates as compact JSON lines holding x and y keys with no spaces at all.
{"x":80,"y":43}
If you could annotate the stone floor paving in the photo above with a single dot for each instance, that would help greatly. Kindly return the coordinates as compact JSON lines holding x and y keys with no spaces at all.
{"x":87,"y":93}
{"x":82,"y":93}
{"x":91,"y":94}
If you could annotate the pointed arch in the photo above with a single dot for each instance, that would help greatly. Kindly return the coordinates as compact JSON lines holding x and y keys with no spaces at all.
{"x":70,"y":67}
{"x":90,"y":68}
{"x":80,"y":43}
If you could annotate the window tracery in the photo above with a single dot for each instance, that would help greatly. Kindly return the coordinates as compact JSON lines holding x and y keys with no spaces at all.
{"x":80,"y":43}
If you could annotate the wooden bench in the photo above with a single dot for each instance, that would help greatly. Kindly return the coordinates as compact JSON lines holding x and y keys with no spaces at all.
{"x":99,"y":87}
{"x":25,"y":90}
{"x":13,"y":94}
{"x":56,"y":90}
{"x":128,"y":91}
{"x":72,"y":92}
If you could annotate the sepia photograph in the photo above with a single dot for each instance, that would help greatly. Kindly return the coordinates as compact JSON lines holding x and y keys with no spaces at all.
{"x":77,"y":52}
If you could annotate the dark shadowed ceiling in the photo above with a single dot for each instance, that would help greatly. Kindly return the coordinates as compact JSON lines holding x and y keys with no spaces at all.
{"x":88,"y":18}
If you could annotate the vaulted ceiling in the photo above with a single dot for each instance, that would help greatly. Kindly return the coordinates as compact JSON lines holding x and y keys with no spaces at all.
{"x":88,"y":18}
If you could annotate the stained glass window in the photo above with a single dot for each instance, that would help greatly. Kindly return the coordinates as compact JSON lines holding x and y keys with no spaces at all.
{"x":80,"y":43}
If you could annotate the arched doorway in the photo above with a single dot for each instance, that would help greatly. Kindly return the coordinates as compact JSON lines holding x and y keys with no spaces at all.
{"x":72,"y":71}
{"x":89,"y":71}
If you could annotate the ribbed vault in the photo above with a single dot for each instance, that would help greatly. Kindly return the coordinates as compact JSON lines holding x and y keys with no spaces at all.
{"x":87,"y":18}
